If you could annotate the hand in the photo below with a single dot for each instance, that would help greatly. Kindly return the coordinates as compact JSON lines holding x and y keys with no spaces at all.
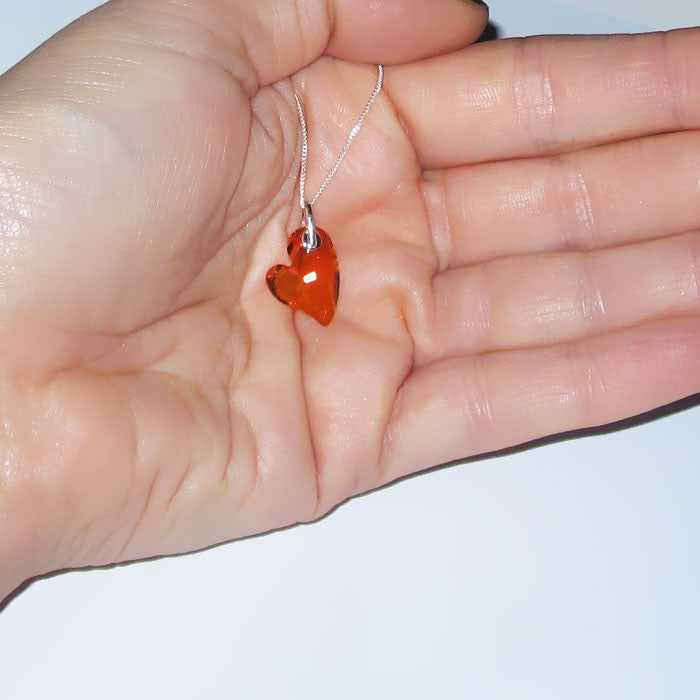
{"x":516,"y":227}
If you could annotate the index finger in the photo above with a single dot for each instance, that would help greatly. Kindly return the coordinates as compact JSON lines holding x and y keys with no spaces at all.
{"x":542,"y":95}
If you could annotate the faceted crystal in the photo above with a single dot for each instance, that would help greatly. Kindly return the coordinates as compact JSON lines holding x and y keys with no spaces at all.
{"x":311,"y":283}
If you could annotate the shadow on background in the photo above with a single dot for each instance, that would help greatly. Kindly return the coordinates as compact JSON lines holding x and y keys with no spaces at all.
{"x":492,"y":32}
{"x":672,"y":409}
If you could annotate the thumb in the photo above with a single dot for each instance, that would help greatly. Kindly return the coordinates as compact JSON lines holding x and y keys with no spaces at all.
{"x":267,"y":40}
{"x":393,"y":31}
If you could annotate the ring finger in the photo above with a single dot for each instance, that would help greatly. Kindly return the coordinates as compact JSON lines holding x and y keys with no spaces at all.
{"x":535,"y":300}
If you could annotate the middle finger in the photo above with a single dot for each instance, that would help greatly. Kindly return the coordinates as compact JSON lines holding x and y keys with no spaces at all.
{"x":596,"y":198}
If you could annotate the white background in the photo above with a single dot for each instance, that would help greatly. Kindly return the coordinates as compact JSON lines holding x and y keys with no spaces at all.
{"x":565,"y":572}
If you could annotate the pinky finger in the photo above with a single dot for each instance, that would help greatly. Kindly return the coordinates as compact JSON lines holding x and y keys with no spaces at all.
{"x":463,"y":407}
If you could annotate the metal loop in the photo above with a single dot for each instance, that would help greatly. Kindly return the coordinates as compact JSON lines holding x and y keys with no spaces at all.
{"x":310,"y":239}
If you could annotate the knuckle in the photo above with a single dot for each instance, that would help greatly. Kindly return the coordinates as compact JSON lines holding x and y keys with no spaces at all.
{"x":534,"y":94}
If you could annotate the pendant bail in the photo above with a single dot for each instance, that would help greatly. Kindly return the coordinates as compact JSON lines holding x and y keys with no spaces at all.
{"x":310,"y":238}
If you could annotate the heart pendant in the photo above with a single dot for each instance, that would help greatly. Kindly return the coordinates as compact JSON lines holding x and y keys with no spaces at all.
{"x":311,"y":283}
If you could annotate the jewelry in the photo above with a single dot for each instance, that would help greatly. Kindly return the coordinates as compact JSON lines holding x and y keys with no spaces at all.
{"x":312,"y":282}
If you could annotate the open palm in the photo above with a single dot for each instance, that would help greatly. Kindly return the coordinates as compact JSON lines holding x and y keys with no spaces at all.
{"x":516,"y":226}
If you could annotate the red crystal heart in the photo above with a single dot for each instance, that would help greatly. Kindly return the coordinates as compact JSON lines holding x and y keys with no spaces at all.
{"x":311,"y":283}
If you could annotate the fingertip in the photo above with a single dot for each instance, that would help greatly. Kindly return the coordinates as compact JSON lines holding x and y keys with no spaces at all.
{"x":400,"y":31}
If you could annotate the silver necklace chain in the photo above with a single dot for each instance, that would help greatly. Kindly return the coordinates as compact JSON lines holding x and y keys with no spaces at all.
{"x":306,"y":206}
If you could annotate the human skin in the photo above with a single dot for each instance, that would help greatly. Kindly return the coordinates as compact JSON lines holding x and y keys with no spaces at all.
{"x":517,"y":227}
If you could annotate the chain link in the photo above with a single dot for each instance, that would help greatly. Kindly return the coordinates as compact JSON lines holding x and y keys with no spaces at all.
{"x":353,"y":133}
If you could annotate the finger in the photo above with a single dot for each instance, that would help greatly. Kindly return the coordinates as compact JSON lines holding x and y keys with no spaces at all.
{"x":282,"y":37}
{"x":399,"y":31}
{"x":263,"y":42}
{"x":547,"y":94}
{"x":469,"y":406}
{"x":596,"y":198}
{"x":561,"y":297}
